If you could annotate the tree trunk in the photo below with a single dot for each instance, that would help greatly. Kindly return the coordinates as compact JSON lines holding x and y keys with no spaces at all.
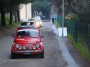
{"x":3,"y":16}
{"x":18,"y":14}
{"x":15,"y":16}
{"x":11,"y":17}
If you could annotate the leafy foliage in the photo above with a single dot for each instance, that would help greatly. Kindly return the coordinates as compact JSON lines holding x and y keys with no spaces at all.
{"x":42,"y":6}
{"x":57,"y":6}
{"x":10,"y":6}
{"x":77,"y":14}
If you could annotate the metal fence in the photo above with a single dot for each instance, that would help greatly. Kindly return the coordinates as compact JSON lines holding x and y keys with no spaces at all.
{"x":80,"y":31}
{"x":58,"y":21}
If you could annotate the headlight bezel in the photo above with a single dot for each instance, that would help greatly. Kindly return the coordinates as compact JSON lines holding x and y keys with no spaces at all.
{"x":38,"y":45}
{"x":17,"y":46}
{"x":20,"y":48}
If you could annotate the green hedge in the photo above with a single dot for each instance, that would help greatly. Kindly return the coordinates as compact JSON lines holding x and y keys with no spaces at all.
{"x":80,"y":47}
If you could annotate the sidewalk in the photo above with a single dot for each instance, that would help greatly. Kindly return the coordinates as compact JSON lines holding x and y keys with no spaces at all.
{"x":65,"y":52}
{"x":70,"y":54}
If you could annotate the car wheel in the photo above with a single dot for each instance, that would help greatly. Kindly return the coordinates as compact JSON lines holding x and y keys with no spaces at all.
{"x":13,"y":56}
{"x":42,"y":55}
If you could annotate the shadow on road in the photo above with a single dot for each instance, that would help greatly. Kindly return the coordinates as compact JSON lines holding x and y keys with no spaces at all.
{"x":27,"y":57}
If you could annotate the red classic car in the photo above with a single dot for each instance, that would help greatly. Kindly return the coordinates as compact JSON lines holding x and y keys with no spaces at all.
{"x":27,"y":42}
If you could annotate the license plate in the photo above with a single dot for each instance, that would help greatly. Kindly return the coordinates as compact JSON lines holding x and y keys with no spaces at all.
{"x":27,"y":53}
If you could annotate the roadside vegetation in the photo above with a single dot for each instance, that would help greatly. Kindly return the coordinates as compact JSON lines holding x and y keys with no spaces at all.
{"x":11,"y":7}
{"x":9,"y":27}
{"x":7,"y":18}
{"x":42,"y":8}
{"x":80,"y":46}
{"x":77,"y":14}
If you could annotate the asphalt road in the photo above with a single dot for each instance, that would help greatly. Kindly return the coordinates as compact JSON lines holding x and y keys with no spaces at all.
{"x":53,"y":57}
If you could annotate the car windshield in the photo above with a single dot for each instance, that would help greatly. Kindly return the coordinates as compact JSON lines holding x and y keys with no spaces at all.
{"x":32,"y":33}
{"x":23,"y":23}
{"x":27,"y":23}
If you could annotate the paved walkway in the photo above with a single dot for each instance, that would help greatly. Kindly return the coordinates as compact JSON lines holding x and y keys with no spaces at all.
{"x":70,"y":54}
{"x":65,"y":52}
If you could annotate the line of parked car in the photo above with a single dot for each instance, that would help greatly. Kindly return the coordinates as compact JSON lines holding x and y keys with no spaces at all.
{"x":28,"y":39}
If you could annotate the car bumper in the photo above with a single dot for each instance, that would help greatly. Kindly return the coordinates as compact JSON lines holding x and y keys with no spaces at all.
{"x":27,"y":52}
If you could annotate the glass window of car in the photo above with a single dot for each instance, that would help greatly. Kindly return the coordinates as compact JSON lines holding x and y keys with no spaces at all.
{"x":23,"y":23}
{"x":32,"y":33}
{"x":27,"y":23}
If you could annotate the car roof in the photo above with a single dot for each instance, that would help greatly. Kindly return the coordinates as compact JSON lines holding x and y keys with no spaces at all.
{"x":27,"y":27}
{"x":24,"y":20}
{"x":27,"y":30}
{"x":28,"y":20}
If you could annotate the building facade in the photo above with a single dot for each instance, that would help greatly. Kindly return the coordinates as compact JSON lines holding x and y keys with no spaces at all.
{"x":25,"y":11}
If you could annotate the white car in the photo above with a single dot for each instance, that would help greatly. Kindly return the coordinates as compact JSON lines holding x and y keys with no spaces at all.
{"x":32,"y":22}
{"x":38,"y":19}
{"x":24,"y":20}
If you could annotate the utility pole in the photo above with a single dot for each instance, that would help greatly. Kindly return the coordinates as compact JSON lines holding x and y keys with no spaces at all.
{"x":62,"y":18}
{"x":26,"y":10}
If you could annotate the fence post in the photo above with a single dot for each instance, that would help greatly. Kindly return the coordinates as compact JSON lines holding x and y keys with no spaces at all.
{"x":75,"y":29}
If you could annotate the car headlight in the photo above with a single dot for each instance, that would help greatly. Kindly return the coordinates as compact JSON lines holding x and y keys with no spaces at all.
{"x":20,"y":47}
{"x":41,"y":43}
{"x":34,"y":47}
{"x":17,"y":46}
{"x":37,"y":46}
{"x":24,"y":47}
{"x":30,"y":47}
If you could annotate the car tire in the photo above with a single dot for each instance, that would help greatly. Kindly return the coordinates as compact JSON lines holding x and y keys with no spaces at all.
{"x":13,"y":56}
{"x":42,"y":55}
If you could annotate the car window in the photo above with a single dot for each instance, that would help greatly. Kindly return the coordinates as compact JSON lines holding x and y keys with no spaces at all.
{"x":34,"y":34}
{"x":27,"y":23}
{"x":23,"y":23}
{"x":31,"y":33}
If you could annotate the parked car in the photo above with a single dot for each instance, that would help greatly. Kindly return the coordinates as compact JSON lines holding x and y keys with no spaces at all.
{"x":38,"y":19}
{"x":28,"y":22}
{"x":31,"y":22}
{"x":27,"y":42}
{"x":27,"y":27}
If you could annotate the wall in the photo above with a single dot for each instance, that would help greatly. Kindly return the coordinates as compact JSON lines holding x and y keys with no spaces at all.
{"x":25,"y":11}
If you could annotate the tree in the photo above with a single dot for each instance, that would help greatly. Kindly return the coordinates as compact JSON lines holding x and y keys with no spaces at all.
{"x":8,"y":5}
{"x":42,"y":6}
{"x":2,"y":10}
{"x":57,"y":6}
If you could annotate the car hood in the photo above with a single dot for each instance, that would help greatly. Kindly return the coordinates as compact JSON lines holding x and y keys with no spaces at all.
{"x":27,"y":40}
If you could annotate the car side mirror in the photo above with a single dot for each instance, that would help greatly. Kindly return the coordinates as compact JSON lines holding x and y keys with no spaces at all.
{"x":42,"y":36}
{"x":13,"y":35}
